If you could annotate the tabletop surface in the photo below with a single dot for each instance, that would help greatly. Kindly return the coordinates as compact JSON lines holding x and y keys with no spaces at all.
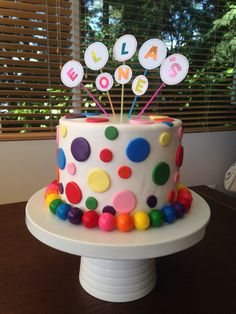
{"x":35,"y":278}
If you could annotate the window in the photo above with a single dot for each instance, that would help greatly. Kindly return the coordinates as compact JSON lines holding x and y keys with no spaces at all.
{"x":38,"y":37}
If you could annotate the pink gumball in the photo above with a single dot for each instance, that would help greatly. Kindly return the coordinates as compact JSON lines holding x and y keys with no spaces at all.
{"x":107,"y":222}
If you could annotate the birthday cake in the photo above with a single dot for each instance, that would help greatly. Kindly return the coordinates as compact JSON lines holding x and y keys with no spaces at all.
{"x":117,"y":171}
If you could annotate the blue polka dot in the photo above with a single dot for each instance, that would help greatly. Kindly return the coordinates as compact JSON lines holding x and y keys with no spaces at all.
{"x":138,"y":149}
{"x":61,"y":158}
{"x":170,"y":124}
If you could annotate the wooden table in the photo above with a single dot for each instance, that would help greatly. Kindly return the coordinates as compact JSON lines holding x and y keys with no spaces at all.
{"x":36,"y":279}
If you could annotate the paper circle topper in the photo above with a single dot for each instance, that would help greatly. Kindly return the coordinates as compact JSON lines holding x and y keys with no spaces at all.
{"x":96,"y":56}
{"x":125,"y":47}
{"x":104,"y":82}
{"x":174,"y":69}
{"x":123,"y":74}
{"x":72,"y":73}
{"x":152,"y":53}
{"x":140,"y":85}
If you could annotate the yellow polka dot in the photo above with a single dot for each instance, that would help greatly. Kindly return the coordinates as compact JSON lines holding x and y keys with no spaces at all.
{"x":63,"y":130}
{"x":158,"y":117}
{"x":51,"y":197}
{"x":98,"y":180}
{"x":141,"y":220}
{"x":164,"y":138}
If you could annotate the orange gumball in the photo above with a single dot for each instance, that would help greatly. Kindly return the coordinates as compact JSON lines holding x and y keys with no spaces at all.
{"x":125,"y":222}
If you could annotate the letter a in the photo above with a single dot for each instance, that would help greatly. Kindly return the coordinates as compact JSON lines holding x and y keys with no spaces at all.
{"x":152,"y":53}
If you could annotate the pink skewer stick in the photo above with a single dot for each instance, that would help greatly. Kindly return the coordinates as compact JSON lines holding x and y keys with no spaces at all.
{"x":150,"y":100}
{"x":94,"y":99}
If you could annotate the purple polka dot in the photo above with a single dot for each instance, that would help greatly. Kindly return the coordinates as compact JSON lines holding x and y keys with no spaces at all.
{"x":60,"y":188}
{"x":151,"y":201}
{"x":80,"y":149}
{"x":109,"y":209}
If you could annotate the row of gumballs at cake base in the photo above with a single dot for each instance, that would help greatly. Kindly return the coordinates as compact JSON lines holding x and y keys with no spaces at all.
{"x":108,"y":220}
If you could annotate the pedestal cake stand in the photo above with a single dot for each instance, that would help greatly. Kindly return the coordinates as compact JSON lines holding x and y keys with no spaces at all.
{"x":117,"y":266}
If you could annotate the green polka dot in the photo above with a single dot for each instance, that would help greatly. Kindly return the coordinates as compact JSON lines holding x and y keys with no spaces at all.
{"x":91,"y":203}
{"x":54,"y":204}
{"x":111,"y":132}
{"x":160,"y":173}
{"x":156,"y":218}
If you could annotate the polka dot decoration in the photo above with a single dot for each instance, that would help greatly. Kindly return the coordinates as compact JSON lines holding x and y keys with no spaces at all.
{"x":91,"y":203}
{"x":179,"y":156}
{"x":167,"y":123}
{"x":180,"y":132}
{"x":151,"y":201}
{"x":106,"y":155}
{"x":60,"y":188}
{"x":96,"y":120}
{"x":80,"y":149}
{"x":164,"y":138}
{"x":176,"y":177}
{"x":71,"y":168}
{"x":124,"y":172}
{"x":63,"y":130}
{"x":171,"y":196}
{"x":109,"y":209}
{"x":124,"y":201}
{"x":73,"y":192}
{"x":61,"y":158}
{"x":161,"y":173}
{"x":98,"y":180}
{"x":138,"y":149}
{"x":111,"y":132}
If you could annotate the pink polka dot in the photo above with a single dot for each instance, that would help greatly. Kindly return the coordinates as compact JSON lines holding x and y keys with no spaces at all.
{"x":176,"y":177}
{"x":180,"y":132}
{"x":71,"y":168}
{"x":124,"y":201}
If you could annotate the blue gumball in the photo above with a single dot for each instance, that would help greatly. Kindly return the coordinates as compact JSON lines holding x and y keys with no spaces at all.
{"x":62,"y":210}
{"x":169,"y":214}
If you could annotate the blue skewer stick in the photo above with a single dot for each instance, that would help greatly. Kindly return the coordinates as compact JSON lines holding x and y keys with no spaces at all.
{"x":135,"y":99}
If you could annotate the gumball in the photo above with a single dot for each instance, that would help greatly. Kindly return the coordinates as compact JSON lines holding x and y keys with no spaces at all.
{"x":51,"y":188}
{"x":75,"y":215}
{"x":186,"y":193}
{"x":125,"y":222}
{"x":169,"y":213}
{"x":53,"y":205}
{"x":107,"y":222}
{"x":179,"y":209}
{"x":90,"y":219}
{"x":185,"y":202}
{"x":180,"y":185}
{"x":51,"y":197}
{"x":156,"y":218}
{"x":62,"y":210}
{"x":141,"y":220}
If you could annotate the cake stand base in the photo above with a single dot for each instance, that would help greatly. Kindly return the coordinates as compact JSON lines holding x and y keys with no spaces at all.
{"x":117,"y":266}
{"x":117,"y":280}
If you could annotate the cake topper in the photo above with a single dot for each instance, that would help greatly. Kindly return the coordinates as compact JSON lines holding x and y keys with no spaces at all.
{"x":151,"y":55}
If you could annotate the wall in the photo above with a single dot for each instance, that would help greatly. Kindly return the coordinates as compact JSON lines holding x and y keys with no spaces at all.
{"x":27,"y":166}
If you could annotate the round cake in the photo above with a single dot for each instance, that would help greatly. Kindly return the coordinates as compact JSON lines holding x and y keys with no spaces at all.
{"x":118,"y":173}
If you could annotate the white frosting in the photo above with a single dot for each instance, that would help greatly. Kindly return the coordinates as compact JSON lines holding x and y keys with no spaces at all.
{"x":140,"y":183}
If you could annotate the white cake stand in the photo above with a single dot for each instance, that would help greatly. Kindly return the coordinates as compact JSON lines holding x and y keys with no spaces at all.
{"x":116,"y":266}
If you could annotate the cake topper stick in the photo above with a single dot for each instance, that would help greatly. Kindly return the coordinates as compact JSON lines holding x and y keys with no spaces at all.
{"x":72,"y":74}
{"x":151,"y":54}
{"x":123,"y":50}
{"x":95,"y":57}
{"x":173,"y":70}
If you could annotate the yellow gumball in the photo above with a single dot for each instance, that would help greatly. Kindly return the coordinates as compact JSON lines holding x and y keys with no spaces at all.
{"x":180,"y":186}
{"x":51,"y":197}
{"x":141,"y":220}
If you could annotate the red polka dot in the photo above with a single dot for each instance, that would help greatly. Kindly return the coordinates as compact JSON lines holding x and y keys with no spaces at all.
{"x":106,"y":155}
{"x":73,"y":192}
{"x":124,"y":172}
{"x":94,"y":120}
{"x":179,"y":156}
{"x":171,"y":196}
